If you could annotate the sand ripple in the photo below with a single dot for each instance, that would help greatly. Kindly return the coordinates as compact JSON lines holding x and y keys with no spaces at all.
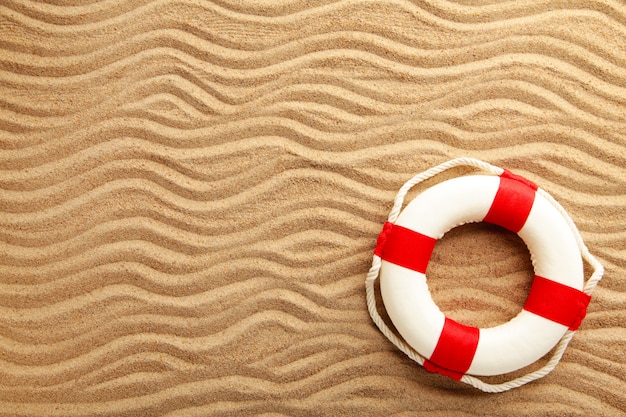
{"x":191,"y":192}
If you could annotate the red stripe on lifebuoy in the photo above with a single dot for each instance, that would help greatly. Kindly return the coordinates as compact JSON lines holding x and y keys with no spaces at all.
{"x":455,"y":350}
{"x":512,"y":203}
{"x":557,"y":302}
{"x":405,"y":247}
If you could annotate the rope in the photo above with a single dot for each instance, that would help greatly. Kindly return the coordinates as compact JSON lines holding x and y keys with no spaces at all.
{"x":373,"y":273}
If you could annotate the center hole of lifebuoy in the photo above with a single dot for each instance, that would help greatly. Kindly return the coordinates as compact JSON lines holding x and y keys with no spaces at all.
{"x":480,"y":274}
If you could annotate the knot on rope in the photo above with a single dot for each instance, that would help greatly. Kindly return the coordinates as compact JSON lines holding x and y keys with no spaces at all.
{"x":519,"y":178}
{"x":433,"y":367}
{"x":382,"y":239}
{"x":581,"y":312}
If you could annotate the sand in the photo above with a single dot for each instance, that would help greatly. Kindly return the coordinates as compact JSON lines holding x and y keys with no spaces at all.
{"x":191,"y":192}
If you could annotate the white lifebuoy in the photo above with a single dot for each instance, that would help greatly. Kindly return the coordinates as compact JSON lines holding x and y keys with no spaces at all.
{"x":555,"y":303}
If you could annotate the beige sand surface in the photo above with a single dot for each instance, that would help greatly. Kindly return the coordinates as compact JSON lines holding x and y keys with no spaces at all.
{"x":190,"y":193}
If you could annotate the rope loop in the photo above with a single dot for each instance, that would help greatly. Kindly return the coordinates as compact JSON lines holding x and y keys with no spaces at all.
{"x":372,"y":276}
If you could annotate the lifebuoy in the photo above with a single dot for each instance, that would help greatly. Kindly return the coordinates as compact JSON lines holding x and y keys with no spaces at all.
{"x":555,"y":303}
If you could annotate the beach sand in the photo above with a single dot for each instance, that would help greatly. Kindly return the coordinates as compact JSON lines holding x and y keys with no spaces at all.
{"x":191,"y":191}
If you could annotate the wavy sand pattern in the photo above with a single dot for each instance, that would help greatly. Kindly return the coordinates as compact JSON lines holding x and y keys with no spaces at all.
{"x":191,"y":192}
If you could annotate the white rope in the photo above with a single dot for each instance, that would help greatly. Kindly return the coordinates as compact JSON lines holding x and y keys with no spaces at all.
{"x":373,"y":273}
{"x":399,"y":200}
